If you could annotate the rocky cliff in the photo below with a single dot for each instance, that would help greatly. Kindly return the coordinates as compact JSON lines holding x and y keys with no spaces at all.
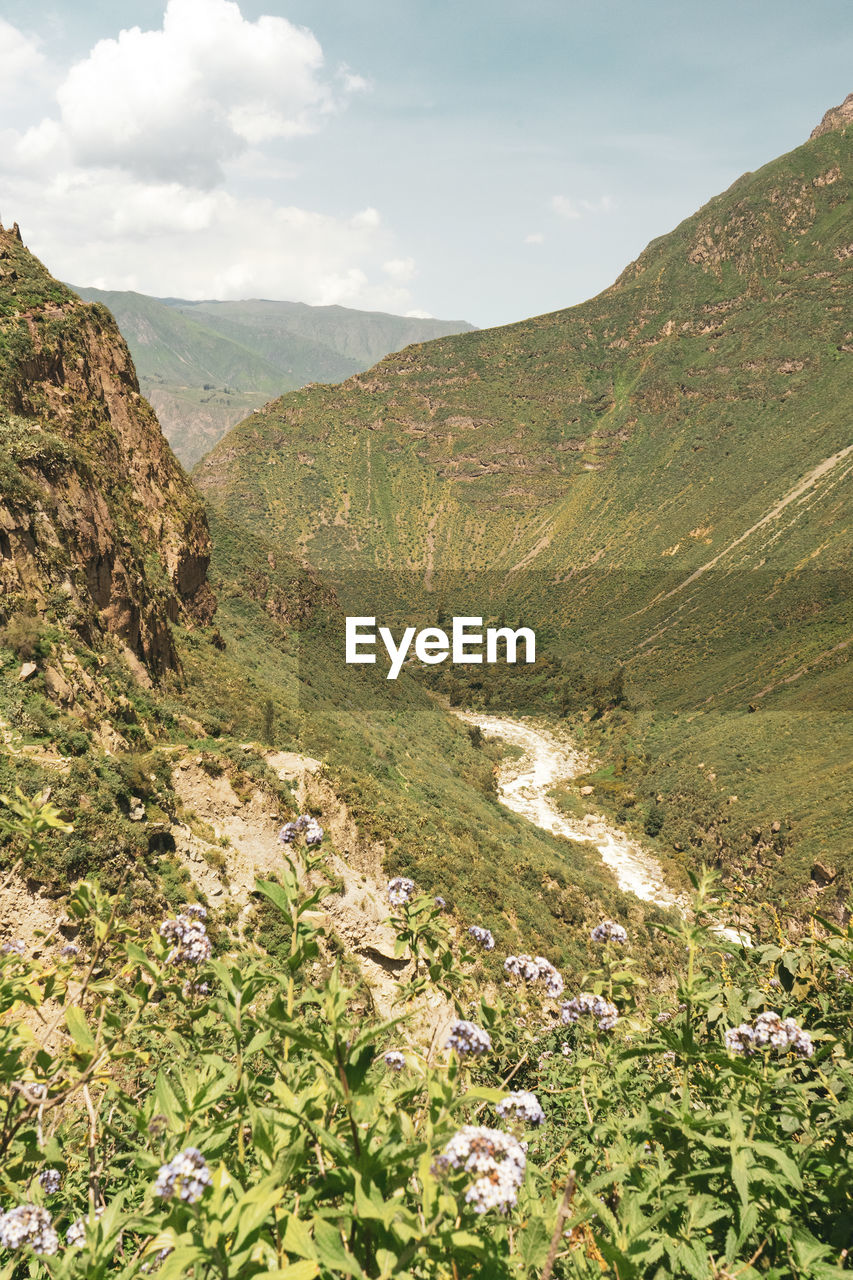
{"x":99,"y":526}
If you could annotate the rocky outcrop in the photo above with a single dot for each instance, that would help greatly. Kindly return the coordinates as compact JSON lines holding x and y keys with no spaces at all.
{"x":99,"y":525}
{"x":836,"y":118}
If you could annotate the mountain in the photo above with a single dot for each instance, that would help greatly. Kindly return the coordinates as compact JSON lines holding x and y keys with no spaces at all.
{"x":114,"y":679}
{"x":658,"y":480}
{"x":97,"y":519}
{"x":205,"y":365}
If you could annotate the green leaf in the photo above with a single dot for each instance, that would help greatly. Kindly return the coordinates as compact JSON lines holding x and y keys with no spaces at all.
{"x":254,"y":1209}
{"x":295,"y":1271}
{"x":76,"y":1022}
{"x":277,"y":896}
{"x":332,"y":1253}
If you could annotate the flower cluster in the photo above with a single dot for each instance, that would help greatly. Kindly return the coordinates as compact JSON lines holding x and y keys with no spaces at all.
{"x":304,"y":823}
{"x":76,"y":1233}
{"x":604,"y":1010}
{"x":400,"y":890}
{"x":395,"y":1060}
{"x":666,"y":1016}
{"x":50,"y":1181}
{"x":69,"y":951}
{"x":439,"y":902}
{"x":522,"y":1106}
{"x":313,"y":832}
{"x":188,"y":935}
{"x":466,"y":1037}
{"x":769,"y":1031}
{"x":186,"y":1177}
{"x":14,"y":947}
{"x":497,"y":1158}
{"x":483,"y":936}
{"x":532,"y":969}
{"x":609,"y":931}
{"x":28,"y":1224}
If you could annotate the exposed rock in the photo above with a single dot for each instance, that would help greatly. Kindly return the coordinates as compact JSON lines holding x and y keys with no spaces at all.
{"x":587,"y":791}
{"x":58,"y":686}
{"x":27,"y":669}
{"x":823,"y":875}
{"x":835,"y":118}
{"x":97,"y":508}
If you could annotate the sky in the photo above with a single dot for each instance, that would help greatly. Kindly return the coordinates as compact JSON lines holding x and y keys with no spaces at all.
{"x":484,"y":160}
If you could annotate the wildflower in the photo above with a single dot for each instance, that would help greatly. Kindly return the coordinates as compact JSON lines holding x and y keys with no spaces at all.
{"x":195,"y":989}
{"x":69,"y":951}
{"x":609,"y":931}
{"x":604,"y":1010}
{"x":195,"y":911}
{"x":466,"y":1037}
{"x":497,"y":1158}
{"x":534,"y":969}
{"x":483,"y":936}
{"x":288,"y":833}
{"x":189,"y":935}
{"x":29,"y":1224}
{"x":186,"y":1176}
{"x":400,"y":890}
{"x":14,"y":947}
{"x":395,"y":1060}
{"x":769,"y":1030}
{"x":439,"y":902}
{"x":523,"y":1106}
{"x":313,"y":833}
{"x":302,"y":822}
{"x":76,"y":1233}
{"x":50,"y":1181}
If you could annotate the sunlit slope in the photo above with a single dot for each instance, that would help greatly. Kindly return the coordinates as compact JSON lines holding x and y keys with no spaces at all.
{"x":659,"y":478}
{"x":698,"y":389}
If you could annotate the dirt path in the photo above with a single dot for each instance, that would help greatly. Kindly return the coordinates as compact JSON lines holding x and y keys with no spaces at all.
{"x":524,"y":786}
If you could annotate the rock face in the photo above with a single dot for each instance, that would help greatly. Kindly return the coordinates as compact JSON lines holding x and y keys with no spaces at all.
{"x":99,"y":526}
{"x":835,"y":118}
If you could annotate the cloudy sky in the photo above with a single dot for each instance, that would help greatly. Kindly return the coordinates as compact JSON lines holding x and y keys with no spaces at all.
{"x":470,"y":159}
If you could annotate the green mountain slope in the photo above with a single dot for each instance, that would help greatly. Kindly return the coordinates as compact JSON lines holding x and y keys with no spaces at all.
{"x":659,"y":480}
{"x":205,"y":365}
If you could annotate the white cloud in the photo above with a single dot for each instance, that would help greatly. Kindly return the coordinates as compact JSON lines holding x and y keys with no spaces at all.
{"x":179,"y":103}
{"x":144,"y":175}
{"x":574,"y":209}
{"x":535,"y":237}
{"x":20,"y":56}
{"x":400,"y":270}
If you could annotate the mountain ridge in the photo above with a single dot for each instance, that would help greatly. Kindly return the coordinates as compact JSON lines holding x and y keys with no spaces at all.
{"x":205,"y":364}
{"x":586,"y":462}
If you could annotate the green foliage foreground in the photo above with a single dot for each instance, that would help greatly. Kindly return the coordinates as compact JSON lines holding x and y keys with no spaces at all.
{"x":168,"y":1111}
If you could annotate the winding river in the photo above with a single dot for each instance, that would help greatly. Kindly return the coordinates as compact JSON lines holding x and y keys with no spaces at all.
{"x":524,"y":785}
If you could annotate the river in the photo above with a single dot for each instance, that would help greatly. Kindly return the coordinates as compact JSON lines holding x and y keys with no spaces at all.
{"x":524,"y":785}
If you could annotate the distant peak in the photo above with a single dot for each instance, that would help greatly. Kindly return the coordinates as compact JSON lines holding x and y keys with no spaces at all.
{"x":835,"y":118}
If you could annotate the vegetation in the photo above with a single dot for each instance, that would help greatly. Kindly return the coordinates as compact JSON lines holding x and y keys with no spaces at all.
{"x":653,"y":480}
{"x":205,"y":365}
{"x":184,"y":1110}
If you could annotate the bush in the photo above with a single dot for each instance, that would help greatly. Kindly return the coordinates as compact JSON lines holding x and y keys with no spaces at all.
{"x":223,"y":1116}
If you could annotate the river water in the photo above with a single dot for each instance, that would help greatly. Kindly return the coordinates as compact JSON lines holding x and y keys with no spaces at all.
{"x":524,"y":786}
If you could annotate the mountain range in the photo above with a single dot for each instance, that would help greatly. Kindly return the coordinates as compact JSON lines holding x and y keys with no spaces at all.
{"x":658,"y":480}
{"x":205,"y":365}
